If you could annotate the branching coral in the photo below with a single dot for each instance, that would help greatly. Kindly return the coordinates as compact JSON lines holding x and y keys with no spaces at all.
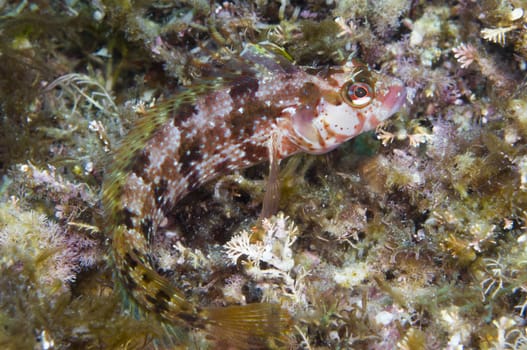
{"x":271,"y":245}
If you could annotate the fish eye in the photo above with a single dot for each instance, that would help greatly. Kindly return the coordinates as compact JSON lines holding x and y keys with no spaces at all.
{"x":358,"y":94}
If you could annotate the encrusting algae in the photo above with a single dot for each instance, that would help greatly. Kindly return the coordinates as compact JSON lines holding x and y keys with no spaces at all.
{"x":272,"y":110}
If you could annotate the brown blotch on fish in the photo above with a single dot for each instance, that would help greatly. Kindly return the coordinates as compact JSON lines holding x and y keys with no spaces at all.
{"x":221,"y":166}
{"x":136,"y":252}
{"x":189,"y":153}
{"x":147,"y":228}
{"x":127,"y":218}
{"x":242,"y":89}
{"x":184,"y":112}
{"x":239,"y":124}
{"x":146,"y":278}
{"x":161,"y":295}
{"x":309,"y":94}
{"x":160,"y":189}
{"x":131,"y":261}
{"x":128,"y":280}
{"x":190,"y":318}
{"x":168,"y":170}
{"x":161,"y":196}
{"x":159,"y":305}
{"x":139,"y":163}
{"x":255,"y":152}
{"x":193,"y":181}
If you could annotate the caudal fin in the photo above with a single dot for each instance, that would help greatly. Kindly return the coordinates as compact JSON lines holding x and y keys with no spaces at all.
{"x":253,"y":326}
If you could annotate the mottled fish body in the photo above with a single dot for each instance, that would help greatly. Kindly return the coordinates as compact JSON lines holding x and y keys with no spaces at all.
{"x":273,"y":110}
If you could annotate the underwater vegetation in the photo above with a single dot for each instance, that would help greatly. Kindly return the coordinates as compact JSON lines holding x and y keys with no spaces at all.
{"x":413,"y":236}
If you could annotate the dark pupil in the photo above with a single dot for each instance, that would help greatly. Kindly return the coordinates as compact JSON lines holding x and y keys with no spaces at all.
{"x":360,"y":92}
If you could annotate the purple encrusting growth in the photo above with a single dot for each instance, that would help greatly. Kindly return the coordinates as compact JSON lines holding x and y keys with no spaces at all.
{"x":274,"y":109}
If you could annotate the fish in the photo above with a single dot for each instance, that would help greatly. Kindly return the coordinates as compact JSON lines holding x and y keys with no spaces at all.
{"x":271,"y":109}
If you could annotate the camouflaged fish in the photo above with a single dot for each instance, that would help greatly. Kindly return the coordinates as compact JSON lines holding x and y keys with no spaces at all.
{"x":268,"y":112}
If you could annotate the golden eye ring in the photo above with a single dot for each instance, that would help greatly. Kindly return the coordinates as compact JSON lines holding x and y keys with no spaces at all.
{"x":358,"y":94}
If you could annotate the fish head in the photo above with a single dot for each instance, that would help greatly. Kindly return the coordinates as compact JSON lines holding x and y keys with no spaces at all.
{"x":343,"y":103}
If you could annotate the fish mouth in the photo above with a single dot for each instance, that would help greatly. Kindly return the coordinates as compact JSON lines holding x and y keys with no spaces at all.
{"x":394,"y":99}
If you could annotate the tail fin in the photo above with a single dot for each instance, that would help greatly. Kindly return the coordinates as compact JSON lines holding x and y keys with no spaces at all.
{"x":253,"y":326}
